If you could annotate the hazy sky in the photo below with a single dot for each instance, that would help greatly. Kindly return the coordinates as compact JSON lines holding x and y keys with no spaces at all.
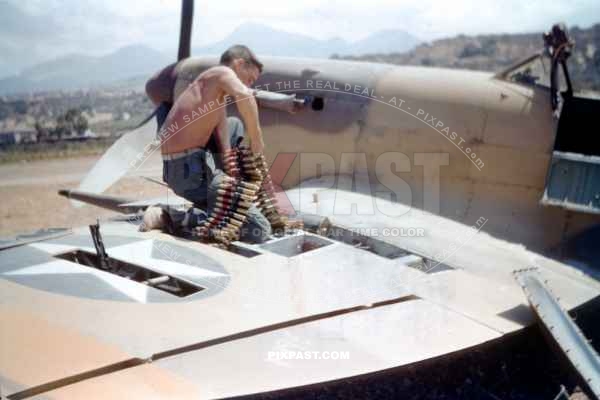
{"x":35,"y":30}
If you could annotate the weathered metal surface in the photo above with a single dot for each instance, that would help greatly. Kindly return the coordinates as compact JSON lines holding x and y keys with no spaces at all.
{"x":474,"y":301}
{"x":563,"y":330}
{"x":43,"y":234}
{"x":573,"y":182}
{"x":374,"y":298}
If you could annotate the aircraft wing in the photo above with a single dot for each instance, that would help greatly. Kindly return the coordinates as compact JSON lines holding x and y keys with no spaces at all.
{"x":380,"y":301}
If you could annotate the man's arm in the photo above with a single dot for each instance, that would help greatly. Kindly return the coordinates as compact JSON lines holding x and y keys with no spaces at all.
{"x":246,"y":104}
{"x":223,"y":136}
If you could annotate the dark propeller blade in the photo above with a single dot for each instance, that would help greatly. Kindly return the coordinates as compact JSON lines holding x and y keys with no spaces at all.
{"x":185,"y":33}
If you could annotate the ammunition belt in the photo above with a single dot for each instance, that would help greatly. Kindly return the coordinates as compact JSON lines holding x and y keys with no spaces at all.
{"x":247,"y":182}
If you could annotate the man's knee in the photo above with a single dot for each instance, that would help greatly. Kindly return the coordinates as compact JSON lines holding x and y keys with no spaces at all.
{"x":255,"y":234}
{"x":257,"y":229}
{"x":234,"y":123}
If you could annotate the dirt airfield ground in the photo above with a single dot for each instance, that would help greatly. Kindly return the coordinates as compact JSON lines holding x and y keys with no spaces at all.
{"x":30,"y":199}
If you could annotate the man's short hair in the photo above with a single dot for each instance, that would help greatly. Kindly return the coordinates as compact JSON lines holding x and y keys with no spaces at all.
{"x":243,"y":52}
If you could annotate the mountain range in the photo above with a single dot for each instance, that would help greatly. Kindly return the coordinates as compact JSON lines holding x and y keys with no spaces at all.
{"x":79,"y":71}
{"x":497,"y":52}
{"x":264,"y":40}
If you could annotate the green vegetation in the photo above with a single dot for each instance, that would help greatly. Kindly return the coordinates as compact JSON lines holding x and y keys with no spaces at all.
{"x":71,"y":123}
{"x":10,"y":108}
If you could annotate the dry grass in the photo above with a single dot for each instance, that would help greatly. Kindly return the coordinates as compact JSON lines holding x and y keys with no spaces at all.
{"x":47,"y":151}
{"x":30,"y":205}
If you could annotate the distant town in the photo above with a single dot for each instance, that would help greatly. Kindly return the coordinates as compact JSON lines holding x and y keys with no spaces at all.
{"x":43,"y":119}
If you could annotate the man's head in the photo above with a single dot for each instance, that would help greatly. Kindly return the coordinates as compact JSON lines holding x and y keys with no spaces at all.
{"x":243,"y":62}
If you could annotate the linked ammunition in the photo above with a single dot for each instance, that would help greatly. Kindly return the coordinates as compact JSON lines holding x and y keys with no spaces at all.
{"x":247,"y":182}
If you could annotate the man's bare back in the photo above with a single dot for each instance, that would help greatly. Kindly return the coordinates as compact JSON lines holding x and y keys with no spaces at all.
{"x":195,"y":114}
{"x":201,"y":109}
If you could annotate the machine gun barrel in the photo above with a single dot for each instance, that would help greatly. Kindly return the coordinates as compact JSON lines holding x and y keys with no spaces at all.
{"x":279,"y":101}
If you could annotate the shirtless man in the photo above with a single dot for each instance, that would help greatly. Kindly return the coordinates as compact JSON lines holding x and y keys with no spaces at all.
{"x":192,"y":165}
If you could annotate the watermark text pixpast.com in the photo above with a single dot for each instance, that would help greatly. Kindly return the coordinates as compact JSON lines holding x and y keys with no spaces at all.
{"x":280,"y":355}
{"x":309,"y":87}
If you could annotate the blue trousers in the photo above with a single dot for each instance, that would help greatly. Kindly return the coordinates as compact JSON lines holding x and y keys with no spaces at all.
{"x":197,"y":176}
